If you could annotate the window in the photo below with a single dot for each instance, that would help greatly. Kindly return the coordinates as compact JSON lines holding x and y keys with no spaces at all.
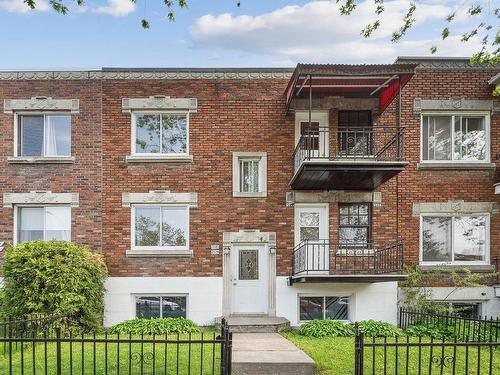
{"x":161,"y":227}
{"x":335,"y":308}
{"x":46,"y":135}
{"x":160,"y":133}
{"x":249,"y":174}
{"x":354,"y":224}
{"x":160,"y":306}
{"x":43,"y":223}
{"x":454,"y":239}
{"x":455,"y":138}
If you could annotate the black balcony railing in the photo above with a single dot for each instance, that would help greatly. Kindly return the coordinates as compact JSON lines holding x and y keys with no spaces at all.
{"x":372,"y":143}
{"x":315,"y":257}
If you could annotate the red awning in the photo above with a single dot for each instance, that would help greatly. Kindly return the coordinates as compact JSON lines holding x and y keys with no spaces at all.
{"x":320,"y":80}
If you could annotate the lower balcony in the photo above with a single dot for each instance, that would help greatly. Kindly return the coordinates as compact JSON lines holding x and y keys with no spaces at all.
{"x":323,"y":261}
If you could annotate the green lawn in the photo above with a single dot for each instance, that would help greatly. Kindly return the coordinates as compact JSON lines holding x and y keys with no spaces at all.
{"x":124,"y":358}
{"x":335,"y":356}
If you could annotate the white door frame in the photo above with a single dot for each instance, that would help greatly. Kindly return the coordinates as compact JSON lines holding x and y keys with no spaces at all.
{"x":234,"y":240}
{"x":320,"y":116}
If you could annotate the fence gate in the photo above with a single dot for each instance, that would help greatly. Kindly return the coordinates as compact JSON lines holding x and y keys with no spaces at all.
{"x":424,"y":356}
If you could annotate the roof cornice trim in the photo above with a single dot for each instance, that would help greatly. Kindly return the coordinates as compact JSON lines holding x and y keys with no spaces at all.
{"x":458,"y":63}
{"x":146,"y":74}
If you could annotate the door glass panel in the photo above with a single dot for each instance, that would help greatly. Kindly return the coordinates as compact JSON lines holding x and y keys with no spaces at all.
{"x":309,"y":226}
{"x":248,"y":265}
{"x":436,"y":239}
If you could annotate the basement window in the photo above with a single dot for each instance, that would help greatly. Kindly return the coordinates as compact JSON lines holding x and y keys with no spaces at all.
{"x":323,"y":307}
{"x":161,"y":306}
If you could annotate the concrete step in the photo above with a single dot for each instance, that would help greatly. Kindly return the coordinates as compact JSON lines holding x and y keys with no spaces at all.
{"x":255,"y":323}
{"x":268,"y":354}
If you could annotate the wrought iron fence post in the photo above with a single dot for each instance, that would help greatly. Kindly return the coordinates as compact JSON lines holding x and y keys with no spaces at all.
{"x":58,"y":351}
{"x":358,"y":348}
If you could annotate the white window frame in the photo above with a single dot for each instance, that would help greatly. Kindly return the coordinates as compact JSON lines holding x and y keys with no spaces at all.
{"x":454,"y":263}
{"x":17,"y":124}
{"x":262,"y":158}
{"x":159,"y":248}
{"x":138,"y":295}
{"x":44,"y":206}
{"x":325,"y":296}
{"x":484,"y":114}
{"x":157,"y":154}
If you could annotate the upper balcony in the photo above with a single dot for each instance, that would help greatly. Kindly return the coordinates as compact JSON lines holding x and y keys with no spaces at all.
{"x":342,"y":143}
{"x":348,"y":158}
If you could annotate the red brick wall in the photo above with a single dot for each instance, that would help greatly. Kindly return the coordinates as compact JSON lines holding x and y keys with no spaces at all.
{"x":83,"y":176}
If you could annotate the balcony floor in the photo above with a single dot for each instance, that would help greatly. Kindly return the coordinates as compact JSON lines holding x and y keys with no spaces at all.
{"x":329,"y":278}
{"x":344,"y":174}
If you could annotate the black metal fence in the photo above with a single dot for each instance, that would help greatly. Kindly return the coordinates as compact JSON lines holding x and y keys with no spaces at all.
{"x":33,"y":347}
{"x":324,"y":256}
{"x":464,"y":328}
{"x":424,"y":356}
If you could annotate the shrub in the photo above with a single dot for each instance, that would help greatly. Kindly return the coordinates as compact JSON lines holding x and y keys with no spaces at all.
{"x":54,"y":278}
{"x":374,"y":328}
{"x":156,"y":326}
{"x":430,"y":330}
{"x":322,"y":328}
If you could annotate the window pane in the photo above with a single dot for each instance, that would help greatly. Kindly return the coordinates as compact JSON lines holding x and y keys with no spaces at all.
{"x":469,"y":238}
{"x":57,"y":136}
{"x":467,"y":310}
{"x":249,"y":175}
{"x":309,"y":219}
{"x":436,"y":234}
{"x":336,"y":308}
{"x":470,"y":138}
{"x":147,"y":134}
{"x":174,"y":226}
{"x":147,"y":307}
{"x":437,"y":137}
{"x":31,"y":135}
{"x":147,"y":226}
{"x":353,"y":236}
{"x":58,"y":223}
{"x":173,"y":307}
{"x":30,"y":224}
{"x":174,"y":134}
{"x":311,"y":308}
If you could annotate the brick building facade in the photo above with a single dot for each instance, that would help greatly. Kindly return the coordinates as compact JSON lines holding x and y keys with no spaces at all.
{"x":213,"y":192}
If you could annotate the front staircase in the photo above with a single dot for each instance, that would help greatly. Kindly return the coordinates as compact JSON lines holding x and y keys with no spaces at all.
{"x":255,"y":323}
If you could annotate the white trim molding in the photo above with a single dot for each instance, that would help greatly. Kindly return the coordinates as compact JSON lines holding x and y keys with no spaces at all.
{"x":40,"y":198}
{"x":262,"y":158}
{"x":159,"y":102}
{"x":327,"y":196}
{"x":160,"y":197}
{"x":41,"y":103}
{"x":458,"y":207}
{"x":455,"y":104}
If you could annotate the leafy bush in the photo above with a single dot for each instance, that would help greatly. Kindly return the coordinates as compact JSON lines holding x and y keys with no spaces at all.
{"x":430,"y":330}
{"x":157,"y":326}
{"x":54,"y":278}
{"x":322,"y":328}
{"x":374,"y":328}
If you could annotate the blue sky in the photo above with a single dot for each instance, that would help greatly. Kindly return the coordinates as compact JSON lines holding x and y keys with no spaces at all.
{"x":216,"y":33}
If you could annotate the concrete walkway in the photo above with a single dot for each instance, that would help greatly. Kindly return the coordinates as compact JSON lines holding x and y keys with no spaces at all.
{"x":269,"y":354}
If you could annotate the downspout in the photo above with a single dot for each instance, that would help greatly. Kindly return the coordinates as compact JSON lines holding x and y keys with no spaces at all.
{"x":399,"y":153}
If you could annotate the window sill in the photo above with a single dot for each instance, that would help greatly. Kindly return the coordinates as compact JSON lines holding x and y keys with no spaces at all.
{"x":458,"y":267}
{"x":159,"y":159}
{"x":41,"y":159}
{"x":159,"y":253}
{"x":457,"y":166}
{"x":239,"y":194}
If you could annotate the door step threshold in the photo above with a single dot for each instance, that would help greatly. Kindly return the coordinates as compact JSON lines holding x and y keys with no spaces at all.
{"x":255,"y":324}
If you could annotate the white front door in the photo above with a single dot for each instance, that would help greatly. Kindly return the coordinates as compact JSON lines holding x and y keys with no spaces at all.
{"x":311,"y":232}
{"x":317,"y":132}
{"x":249,"y":279}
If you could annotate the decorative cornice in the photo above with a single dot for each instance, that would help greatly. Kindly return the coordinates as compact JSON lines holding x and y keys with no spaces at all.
{"x":454,"y":207}
{"x":159,"y":102}
{"x":154,"y":75}
{"x":457,"y":63}
{"x":40,"y":197}
{"x":159,"y":197}
{"x":248,"y":236}
{"x":41,"y":103}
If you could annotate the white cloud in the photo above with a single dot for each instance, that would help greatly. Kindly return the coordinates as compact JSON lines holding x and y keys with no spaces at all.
{"x":318,"y":32}
{"x":117,"y":8}
{"x":19,"y":6}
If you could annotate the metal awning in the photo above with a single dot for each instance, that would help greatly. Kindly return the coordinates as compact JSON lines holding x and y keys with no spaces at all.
{"x":356,"y":81}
